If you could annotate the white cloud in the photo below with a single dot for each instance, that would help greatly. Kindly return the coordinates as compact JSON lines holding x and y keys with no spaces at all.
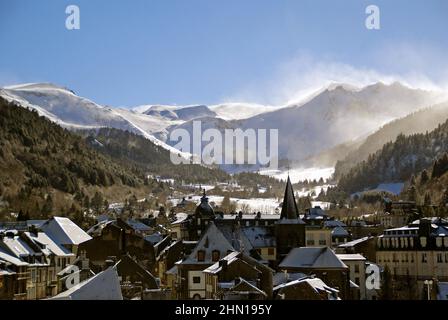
{"x":416,"y":67}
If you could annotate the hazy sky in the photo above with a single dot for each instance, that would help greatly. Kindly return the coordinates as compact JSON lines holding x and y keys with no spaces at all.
{"x":137,"y":52}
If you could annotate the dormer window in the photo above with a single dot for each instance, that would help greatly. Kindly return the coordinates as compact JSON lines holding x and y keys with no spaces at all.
{"x":423,"y":241}
{"x":201,"y":256}
{"x":439,"y":241}
{"x":215,"y":255}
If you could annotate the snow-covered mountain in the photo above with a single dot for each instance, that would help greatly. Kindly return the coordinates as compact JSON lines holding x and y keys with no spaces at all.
{"x":67,"y":109}
{"x":333,"y":115}
{"x":336,"y":114}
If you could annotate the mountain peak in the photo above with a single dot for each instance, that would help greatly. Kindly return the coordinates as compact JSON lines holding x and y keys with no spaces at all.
{"x":38,"y":86}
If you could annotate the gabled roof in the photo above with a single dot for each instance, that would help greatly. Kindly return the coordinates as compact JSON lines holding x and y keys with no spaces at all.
{"x":230,"y":258}
{"x":43,"y":239}
{"x":312,"y":258}
{"x":339,"y":232}
{"x":243,"y":286}
{"x":4,"y":256}
{"x":259,"y":237}
{"x":212,"y":239}
{"x":103,"y":286}
{"x":236,"y":237}
{"x":315,"y":283}
{"x":334,"y":223}
{"x":64,"y":231}
{"x":17,"y":247}
{"x":285,"y":277}
{"x":138,"y":225}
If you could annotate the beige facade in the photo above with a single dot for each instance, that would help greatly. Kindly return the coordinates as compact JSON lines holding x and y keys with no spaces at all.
{"x":317,"y":237}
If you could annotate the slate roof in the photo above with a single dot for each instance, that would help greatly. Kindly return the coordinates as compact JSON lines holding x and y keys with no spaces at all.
{"x":244,"y":286}
{"x":339,"y":232}
{"x":283,"y":277}
{"x":212,"y":239}
{"x":103,"y":286}
{"x":334,"y":223}
{"x":312,"y":258}
{"x":50,"y":245}
{"x":4,"y":256}
{"x":259,"y":237}
{"x":64,"y":231}
{"x":354,"y":242}
{"x":315,"y":283}
{"x":289,"y":205}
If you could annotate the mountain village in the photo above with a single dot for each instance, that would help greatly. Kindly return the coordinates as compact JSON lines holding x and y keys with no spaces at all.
{"x":206,"y":254}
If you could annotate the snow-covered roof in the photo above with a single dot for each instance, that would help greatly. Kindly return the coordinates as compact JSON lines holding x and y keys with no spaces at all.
{"x":64,"y":231}
{"x":339,"y":232}
{"x":259,"y":237}
{"x":154,"y":238}
{"x":180,"y":217}
{"x":334,"y":223}
{"x":50,"y":245}
{"x":354,"y":242}
{"x":251,"y":216}
{"x":138,"y":226}
{"x":6,"y":272}
{"x":230,"y":258}
{"x":4,"y":256}
{"x":312,"y":257}
{"x":103,"y":286}
{"x":18,"y":247}
{"x":244,"y":286}
{"x":212,"y":239}
{"x":353,"y":256}
{"x":285,"y":277}
{"x":315,"y":283}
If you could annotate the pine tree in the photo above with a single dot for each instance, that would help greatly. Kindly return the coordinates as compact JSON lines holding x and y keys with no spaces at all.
{"x":424,"y":177}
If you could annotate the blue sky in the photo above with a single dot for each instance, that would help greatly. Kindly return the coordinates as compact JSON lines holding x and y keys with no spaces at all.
{"x":129,"y":53}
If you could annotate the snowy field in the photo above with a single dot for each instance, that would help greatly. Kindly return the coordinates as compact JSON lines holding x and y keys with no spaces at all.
{"x":300,"y":174}
{"x":394,"y":188}
{"x":266,"y":206}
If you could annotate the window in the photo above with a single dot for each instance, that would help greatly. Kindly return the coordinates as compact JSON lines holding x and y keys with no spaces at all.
{"x":322,"y":242}
{"x":357,"y":280}
{"x":215,"y":255}
{"x":201,"y":255}
{"x":196,"y":280}
{"x":424,"y":259}
{"x":310,"y":242}
{"x":357,"y":269}
{"x":271,"y":251}
{"x":439,"y":258}
{"x":423,"y":241}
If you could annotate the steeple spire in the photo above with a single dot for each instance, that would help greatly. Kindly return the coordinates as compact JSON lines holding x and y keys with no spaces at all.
{"x":289,"y":206}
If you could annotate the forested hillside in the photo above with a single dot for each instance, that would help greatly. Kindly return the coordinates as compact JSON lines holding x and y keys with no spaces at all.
{"x":46,"y":169}
{"x":418,"y":122}
{"x":397,"y":161}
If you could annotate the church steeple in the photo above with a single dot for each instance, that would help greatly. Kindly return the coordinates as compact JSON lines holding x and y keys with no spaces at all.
{"x":289,"y":206}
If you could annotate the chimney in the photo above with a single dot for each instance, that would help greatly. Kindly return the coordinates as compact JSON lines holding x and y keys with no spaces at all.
{"x":223,"y":264}
{"x":424,"y":229}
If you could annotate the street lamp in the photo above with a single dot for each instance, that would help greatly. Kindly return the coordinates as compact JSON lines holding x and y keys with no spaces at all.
{"x":428,"y":283}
